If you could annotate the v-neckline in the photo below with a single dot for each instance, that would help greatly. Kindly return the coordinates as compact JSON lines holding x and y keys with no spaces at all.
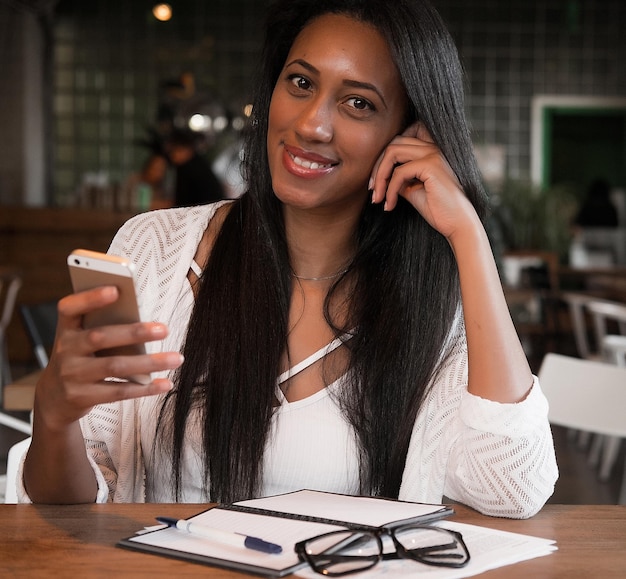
{"x":304,"y":364}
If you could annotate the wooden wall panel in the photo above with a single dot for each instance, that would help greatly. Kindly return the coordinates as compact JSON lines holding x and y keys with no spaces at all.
{"x":37,"y":242}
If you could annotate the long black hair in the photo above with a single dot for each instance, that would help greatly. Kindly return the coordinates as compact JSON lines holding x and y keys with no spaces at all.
{"x":404,"y":280}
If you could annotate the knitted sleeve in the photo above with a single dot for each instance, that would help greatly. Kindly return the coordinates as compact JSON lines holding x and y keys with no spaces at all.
{"x":162,"y":245}
{"x":496,"y":458}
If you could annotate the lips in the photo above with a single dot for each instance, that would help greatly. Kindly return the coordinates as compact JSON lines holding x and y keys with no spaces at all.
{"x":305,"y":163}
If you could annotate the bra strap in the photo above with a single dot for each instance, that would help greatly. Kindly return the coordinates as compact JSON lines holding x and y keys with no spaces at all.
{"x":195,"y":268}
{"x":300,"y":366}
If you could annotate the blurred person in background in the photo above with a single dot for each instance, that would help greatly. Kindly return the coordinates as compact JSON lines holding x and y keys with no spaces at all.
{"x":597,"y":208}
{"x":195,"y":183}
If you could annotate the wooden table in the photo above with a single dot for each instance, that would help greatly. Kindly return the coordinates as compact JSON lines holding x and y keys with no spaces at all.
{"x":20,"y":395}
{"x":603,"y":282}
{"x":79,"y":541}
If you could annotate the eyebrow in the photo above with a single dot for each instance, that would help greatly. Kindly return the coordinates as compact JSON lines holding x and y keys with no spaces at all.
{"x":346,"y":82}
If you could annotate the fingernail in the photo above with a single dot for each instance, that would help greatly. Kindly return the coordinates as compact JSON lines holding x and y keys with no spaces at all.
{"x":174,"y":360}
{"x":370,"y":185}
{"x":159,"y":330}
{"x":109,"y":291}
{"x":165,"y":385}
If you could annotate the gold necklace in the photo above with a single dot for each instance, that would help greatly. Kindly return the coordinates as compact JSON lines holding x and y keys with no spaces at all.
{"x":323,"y":278}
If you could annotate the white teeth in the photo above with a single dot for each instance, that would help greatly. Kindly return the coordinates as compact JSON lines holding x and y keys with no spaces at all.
{"x":308,"y":164}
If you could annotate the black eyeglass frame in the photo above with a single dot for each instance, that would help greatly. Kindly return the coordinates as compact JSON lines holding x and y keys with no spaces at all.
{"x":399,"y":553}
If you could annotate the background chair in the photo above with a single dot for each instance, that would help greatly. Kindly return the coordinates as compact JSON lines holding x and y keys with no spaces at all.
{"x":608,"y":318}
{"x":609,"y":324}
{"x":595,"y":318}
{"x":576,"y":303}
{"x":15,"y":455}
{"x":40,"y":322}
{"x":10,"y":283}
{"x":586,"y":395}
{"x":531,"y":287}
{"x":615,"y":349}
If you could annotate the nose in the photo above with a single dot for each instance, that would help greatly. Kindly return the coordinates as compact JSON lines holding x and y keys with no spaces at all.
{"x":315,"y":121}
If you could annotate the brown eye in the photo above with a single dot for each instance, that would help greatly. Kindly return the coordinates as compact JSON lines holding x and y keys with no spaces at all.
{"x":300,"y":82}
{"x":360,"y":104}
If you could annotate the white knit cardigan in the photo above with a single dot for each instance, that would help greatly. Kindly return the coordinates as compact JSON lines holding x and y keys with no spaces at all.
{"x":497,"y":458}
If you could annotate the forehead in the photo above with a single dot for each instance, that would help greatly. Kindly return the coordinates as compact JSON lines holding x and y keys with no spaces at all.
{"x":344,"y":44}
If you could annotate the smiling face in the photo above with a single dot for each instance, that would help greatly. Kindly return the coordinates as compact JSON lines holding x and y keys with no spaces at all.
{"x":337,"y":103}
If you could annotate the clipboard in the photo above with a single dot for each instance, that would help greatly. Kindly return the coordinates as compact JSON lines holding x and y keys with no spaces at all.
{"x":283,"y":519}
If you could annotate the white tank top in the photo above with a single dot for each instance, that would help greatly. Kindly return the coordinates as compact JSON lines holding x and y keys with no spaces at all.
{"x":310,"y":446}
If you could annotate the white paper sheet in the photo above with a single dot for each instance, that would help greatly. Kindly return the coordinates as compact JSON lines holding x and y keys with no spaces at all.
{"x":489,"y":549}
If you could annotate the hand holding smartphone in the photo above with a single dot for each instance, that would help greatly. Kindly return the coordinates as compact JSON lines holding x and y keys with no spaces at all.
{"x":91,"y":269}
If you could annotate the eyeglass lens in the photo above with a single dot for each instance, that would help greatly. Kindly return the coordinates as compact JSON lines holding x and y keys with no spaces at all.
{"x":433,"y":546}
{"x":343,"y":552}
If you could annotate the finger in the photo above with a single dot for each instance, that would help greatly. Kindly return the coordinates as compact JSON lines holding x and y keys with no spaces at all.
{"x":126,"y":391}
{"x":82,"y":399}
{"x":402,"y":183}
{"x":67,"y":392}
{"x":72,"y":342}
{"x":85,"y":372}
{"x":113,"y":336}
{"x":403,"y":150}
{"x":407,"y":136}
{"x":372,"y":186}
{"x":382,"y":172}
{"x":418,"y":130}
{"x":73,"y":307}
{"x":423,"y":134}
{"x":399,"y":140}
{"x":412,"y":130}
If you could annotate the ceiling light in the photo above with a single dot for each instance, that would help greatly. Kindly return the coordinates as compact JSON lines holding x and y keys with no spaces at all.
{"x":162,"y":12}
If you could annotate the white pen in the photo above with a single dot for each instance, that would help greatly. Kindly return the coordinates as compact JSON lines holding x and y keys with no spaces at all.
{"x":236,"y":539}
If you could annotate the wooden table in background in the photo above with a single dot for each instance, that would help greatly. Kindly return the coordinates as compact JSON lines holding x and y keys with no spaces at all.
{"x":21,"y":393}
{"x":603,"y":282}
{"x":79,"y":541}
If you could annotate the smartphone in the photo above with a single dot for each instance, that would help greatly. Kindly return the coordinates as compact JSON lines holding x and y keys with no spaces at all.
{"x":91,"y":269}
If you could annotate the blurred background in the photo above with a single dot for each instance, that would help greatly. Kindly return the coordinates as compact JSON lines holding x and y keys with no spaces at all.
{"x":94,"y":94}
{"x":83,"y":82}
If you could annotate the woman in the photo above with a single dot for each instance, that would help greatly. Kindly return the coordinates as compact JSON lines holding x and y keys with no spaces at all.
{"x":356,"y":269}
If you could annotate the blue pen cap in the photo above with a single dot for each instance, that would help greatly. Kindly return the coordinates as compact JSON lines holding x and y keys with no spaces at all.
{"x":263,"y":546}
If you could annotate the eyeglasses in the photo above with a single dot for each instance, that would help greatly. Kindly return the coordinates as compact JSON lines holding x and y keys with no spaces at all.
{"x":344,"y":552}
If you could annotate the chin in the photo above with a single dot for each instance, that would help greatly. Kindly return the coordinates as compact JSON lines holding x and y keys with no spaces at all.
{"x":294,"y":196}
